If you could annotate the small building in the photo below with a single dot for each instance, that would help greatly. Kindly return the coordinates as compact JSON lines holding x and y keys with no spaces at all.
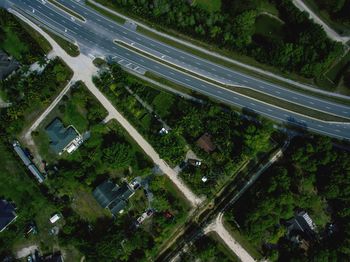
{"x":7,"y":65}
{"x":111,"y":196}
{"x":301,"y":225}
{"x":27,"y":162}
{"x":63,"y":139}
{"x":7,"y":214}
{"x":55,"y":218}
{"x":205,"y":142}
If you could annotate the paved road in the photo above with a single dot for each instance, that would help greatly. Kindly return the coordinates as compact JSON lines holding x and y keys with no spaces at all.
{"x":95,"y":37}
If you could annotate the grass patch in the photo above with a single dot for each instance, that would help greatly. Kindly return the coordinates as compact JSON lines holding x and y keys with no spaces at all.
{"x":110,"y":15}
{"x":67,"y":10}
{"x":13,"y":45}
{"x":269,"y":26}
{"x":209,"y":5}
{"x":69,"y":47}
{"x":42,"y":42}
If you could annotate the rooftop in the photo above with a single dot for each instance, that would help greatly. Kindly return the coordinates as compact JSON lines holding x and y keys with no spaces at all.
{"x":7,"y":65}
{"x":60,"y":137}
{"x":113,"y":197}
{"x":205,"y":142}
{"x":7,"y":214}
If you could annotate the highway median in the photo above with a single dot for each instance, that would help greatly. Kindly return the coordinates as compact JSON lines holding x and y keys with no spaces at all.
{"x":67,"y":10}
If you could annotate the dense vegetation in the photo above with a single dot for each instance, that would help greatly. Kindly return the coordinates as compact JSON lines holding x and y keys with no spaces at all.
{"x":236,"y":137}
{"x":16,"y":41}
{"x":338,"y":10}
{"x":206,"y":249}
{"x":298,"y":46}
{"x":30,"y":93}
{"x":313,"y":176}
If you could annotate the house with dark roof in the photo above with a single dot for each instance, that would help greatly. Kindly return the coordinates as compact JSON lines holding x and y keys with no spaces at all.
{"x":62,"y":138}
{"x":301,"y":226}
{"x":114,"y":197}
{"x":205,"y":142}
{"x":7,"y":65}
{"x":56,"y":257}
{"x":7,"y":214}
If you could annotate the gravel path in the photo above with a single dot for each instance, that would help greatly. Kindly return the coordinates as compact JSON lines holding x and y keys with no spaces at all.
{"x":84,"y":69}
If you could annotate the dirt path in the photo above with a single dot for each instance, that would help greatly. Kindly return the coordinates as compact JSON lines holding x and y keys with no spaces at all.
{"x":84,"y":69}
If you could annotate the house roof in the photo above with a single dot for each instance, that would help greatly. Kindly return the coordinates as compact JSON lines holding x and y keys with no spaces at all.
{"x":53,"y":258}
{"x":7,"y":65}
{"x":60,"y":137}
{"x":21,"y":154}
{"x":301,"y":223}
{"x":7,"y":214}
{"x":205,"y":142}
{"x":111,"y":196}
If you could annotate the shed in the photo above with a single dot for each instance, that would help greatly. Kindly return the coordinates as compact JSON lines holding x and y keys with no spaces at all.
{"x":205,"y":142}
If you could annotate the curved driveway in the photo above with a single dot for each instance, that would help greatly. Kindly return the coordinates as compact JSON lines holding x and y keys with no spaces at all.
{"x":95,"y":37}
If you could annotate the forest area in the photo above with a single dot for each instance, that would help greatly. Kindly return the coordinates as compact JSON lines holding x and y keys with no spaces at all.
{"x":236,"y":137}
{"x":314,"y":175}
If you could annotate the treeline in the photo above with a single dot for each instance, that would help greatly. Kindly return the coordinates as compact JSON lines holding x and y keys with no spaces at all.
{"x":29,"y":92}
{"x":17,"y":41}
{"x":236,"y":137}
{"x":337,"y":9}
{"x":314,"y":176}
{"x":303,"y":46}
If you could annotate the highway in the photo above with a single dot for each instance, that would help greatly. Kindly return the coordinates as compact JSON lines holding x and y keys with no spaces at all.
{"x":95,"y":38}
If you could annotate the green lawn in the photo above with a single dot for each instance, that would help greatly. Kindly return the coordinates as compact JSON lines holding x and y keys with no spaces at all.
{"x":268,"y":26}
{"x":210,"y":5}
{"x":13,"y":45}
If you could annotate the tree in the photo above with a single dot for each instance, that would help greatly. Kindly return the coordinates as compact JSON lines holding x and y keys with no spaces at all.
{"x":118,"y":155}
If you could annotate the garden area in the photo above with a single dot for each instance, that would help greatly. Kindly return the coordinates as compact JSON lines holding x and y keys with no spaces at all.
{"x":313,"y":176}
{"x":236,"y":138}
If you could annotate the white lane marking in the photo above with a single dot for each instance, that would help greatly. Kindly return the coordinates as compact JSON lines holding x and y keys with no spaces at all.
{"x":262,"y":87}
{"x":203,"y":85}
{"x":252,"y":104}
{"x":156,"y":66}
{"x":312,"y":103}
{"x":235,"y":98}
{"x":320,"y":125}
{"x":167,"y":51}
{"x":285,"y":115}
{"x":337,"y":130}
{"x":137,"y":38}
{"x":278,"y":92}
{"x":171,"y":73}
{"x":182,"y":57}
{"x":188,"y":80}
{"x":152,"y":45}
{"x":219,"y":91}
{"x":328,"y":107}
{"x":141,"y":60}
{"x":110,"y":26}
{"x":269,"y":110}
{"x":127,"y":54}
{"x":345,"y":112}
{"x":245,"y":81}
{"x":295,"y":98}
{"x":198,"y":63}
{"x":125,"y":33}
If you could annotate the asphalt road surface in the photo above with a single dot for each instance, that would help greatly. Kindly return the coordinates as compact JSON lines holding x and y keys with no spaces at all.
{"x":95,"y":38}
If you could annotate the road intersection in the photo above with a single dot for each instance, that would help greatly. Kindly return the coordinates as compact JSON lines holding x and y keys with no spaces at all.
{"x":95,"y":38}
